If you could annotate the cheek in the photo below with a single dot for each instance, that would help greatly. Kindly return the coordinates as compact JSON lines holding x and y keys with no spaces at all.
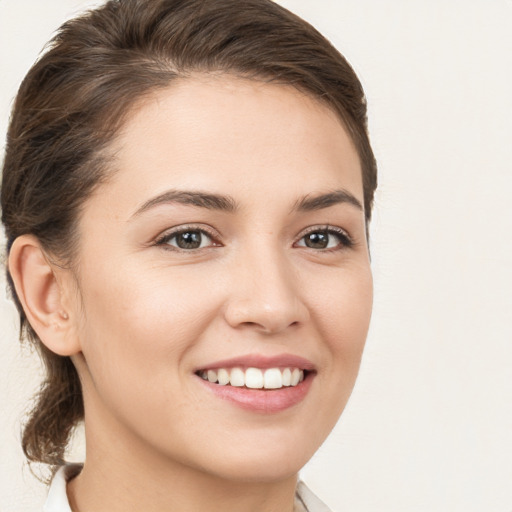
{"x":138,"y":330}
{"x":343,"y":306}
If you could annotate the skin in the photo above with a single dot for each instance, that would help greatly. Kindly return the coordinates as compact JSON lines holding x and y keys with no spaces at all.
{"x":141,"y":316}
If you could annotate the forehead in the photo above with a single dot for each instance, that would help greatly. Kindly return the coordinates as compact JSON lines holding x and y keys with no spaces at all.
{"x":223,"y":132}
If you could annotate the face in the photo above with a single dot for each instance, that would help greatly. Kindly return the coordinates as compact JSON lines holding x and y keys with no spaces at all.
{"x":227,"y":252}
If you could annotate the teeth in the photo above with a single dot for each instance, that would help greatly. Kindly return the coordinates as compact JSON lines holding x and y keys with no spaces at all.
{"x":255,"y":378}
{"x":237,"y":377}
{"x":273,"y":379}
{"x":223,"y":377}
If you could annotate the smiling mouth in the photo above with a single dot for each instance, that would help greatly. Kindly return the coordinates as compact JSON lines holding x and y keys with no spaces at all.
{"x":255,"y":378}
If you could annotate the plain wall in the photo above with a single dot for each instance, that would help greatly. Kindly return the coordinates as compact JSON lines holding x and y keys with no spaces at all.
{"x":429,"y":425}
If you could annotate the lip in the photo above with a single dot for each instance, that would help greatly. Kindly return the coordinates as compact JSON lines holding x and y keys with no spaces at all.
{"x":260,"y":361}
{"x":262,"y":401}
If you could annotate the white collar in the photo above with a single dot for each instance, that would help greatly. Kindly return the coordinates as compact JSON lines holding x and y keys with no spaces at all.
{"x":310,"y":502}
{"x":57,"y":501}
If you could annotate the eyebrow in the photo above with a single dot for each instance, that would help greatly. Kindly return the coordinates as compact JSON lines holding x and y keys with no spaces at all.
{"x":196,"y":198}
{"x":228,"y":204}
{"x":318,"y":202}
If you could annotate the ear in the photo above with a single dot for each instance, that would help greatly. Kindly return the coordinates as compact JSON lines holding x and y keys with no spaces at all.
{"x":42,"y":289}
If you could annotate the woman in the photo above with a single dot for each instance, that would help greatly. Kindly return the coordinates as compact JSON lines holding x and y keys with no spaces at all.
{"x":186,"y":194}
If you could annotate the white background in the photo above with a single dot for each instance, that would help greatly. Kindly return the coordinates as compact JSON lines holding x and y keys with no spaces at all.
{"x":429,"y":425}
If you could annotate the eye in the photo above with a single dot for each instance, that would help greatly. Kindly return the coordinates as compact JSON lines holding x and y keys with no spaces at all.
{"x":187,"y":239}
{"x":325,"y":239}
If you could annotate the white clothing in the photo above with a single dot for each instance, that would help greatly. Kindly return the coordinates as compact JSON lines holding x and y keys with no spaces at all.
{"x":57,"y":501}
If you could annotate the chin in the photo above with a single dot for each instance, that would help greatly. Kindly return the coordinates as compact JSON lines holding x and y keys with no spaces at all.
{"x":264,"y":460}
{"x":260,"y":469}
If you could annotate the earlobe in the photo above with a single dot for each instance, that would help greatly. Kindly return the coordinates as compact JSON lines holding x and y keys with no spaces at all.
{"x":41,"y":293}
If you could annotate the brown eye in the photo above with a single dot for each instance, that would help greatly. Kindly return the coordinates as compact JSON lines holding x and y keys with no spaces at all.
{"x":317,"y":240}
{"x":321,"y":239}
{"x":188,"y":240}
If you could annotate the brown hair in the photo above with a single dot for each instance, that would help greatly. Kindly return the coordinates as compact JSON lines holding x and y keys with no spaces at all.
{"x":76,"y":96}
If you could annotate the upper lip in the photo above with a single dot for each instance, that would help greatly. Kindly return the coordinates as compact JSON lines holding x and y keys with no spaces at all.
{"x":261,"y":361}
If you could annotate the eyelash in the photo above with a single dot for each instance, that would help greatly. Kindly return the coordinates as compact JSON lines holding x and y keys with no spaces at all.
{"x":345,"y":241}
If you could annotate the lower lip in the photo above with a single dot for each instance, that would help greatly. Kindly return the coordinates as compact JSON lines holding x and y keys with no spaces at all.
{"x":266,"y":401}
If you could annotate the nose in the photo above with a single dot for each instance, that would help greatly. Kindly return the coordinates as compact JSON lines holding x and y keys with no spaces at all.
{"x":265,"y":294}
